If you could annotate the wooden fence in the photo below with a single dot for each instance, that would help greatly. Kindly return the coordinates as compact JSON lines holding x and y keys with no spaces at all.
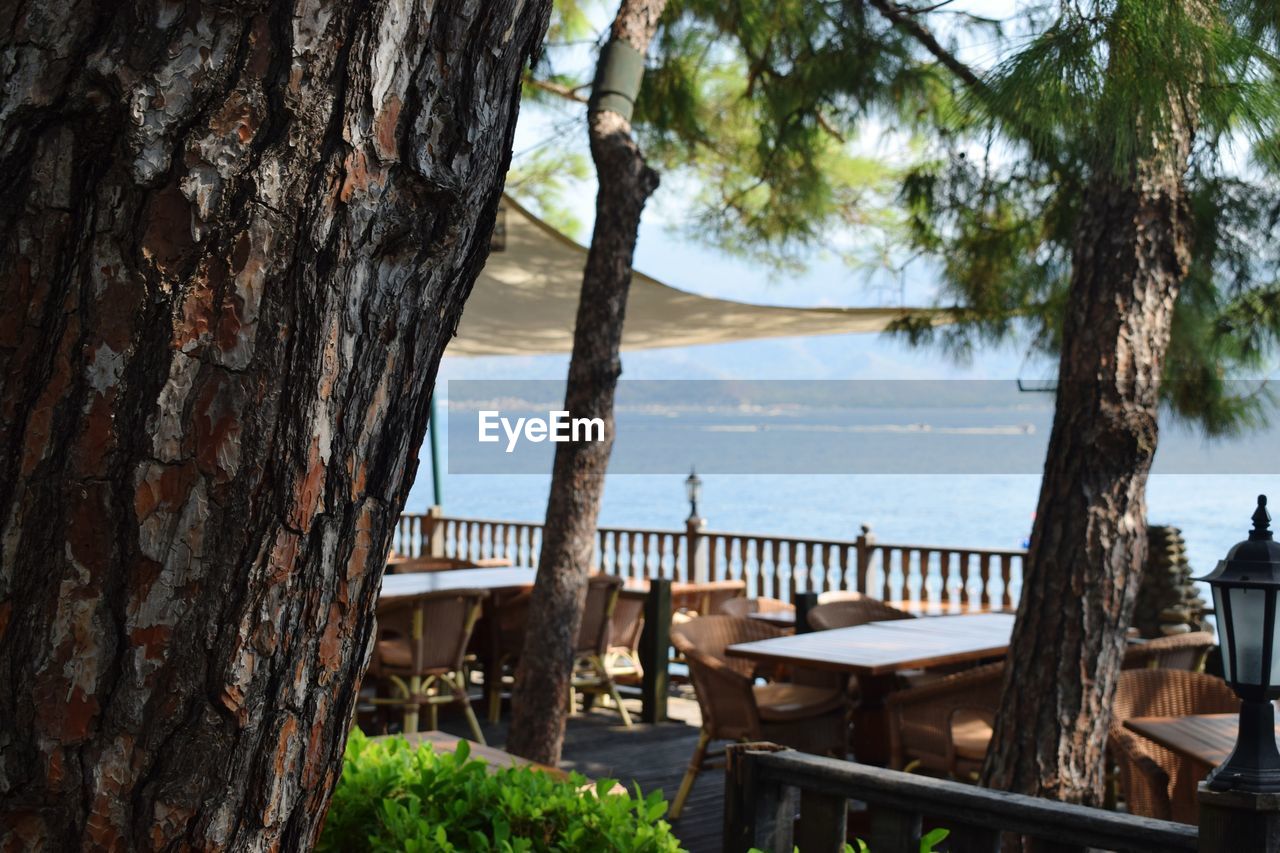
{"x":774,"y":566}
{"x":766,"y":784}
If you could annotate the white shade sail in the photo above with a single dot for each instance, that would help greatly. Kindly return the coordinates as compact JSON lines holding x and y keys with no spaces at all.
{"x":526,"y":298}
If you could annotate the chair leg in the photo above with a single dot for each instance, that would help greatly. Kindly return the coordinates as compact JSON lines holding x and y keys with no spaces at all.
{"x":493,"y":687}
{"x":466,"y":709}
{"x":411,"y":711}
{"x":613,"y":690}
{"x":695,"y":766}
{"x":573,"y":705}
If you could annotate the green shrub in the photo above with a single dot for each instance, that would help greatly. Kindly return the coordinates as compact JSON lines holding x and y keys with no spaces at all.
{"x":928,"y":843}
{"x":393,"y":797}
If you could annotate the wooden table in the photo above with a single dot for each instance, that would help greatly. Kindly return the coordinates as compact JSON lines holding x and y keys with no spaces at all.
{"x":1204,"y":739}
{"x":876,"y":652}
{"x":883,"y":648}
{"x":948,"y":608}
{"x":787,"y":618}
{"x":416,"y":583}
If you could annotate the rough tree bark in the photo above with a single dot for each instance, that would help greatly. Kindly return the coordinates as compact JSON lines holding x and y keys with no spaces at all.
{"x":1089,"y":541}
{"x":577,"y":481}
{"x":236,"y":238}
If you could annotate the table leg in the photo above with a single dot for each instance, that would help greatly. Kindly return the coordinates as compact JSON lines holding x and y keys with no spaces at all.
{"x":492,"y":661}
{"x":870,"y":722}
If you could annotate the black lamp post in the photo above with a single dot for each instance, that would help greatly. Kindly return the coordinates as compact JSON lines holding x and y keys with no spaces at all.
{"x":1245,"y":586}
{"x":693,"y":488}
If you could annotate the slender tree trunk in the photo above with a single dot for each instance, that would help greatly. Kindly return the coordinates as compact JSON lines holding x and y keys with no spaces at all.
{"x":577,"y":480}
{"x":1088,"y":545}
{"x":236,"y":238}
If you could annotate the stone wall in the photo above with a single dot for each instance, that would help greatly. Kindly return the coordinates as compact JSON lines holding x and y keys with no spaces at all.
{"x":1169,"y":601}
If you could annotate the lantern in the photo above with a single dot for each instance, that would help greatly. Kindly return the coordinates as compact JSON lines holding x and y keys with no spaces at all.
{"x":693,"y":488}
{"x":1245,"y":587}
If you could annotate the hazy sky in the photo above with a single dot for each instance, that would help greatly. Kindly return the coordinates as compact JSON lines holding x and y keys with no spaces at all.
{"x":666,"y":254}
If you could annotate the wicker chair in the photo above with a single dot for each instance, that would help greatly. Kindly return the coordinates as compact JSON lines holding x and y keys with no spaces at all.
{"x":739,"y":607}
{"x":511,"y":613}
{"x":1154,"y":781}
{"x":735,"y":708}
{"x":625,"y":629}
{"x":848,"y":612}
{"x":944,"y":727}
{"x":422,"y":641}
{"x":590,"y":673}
{"x":1181,"y":651}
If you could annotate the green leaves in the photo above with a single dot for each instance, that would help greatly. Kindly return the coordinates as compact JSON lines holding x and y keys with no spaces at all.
{"x":392,"y":797}
{"x":1096,"y":86}
{"x":758,"y":105}
{"x":928,"y":843}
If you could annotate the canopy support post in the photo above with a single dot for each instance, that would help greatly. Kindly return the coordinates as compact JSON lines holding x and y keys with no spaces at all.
{"x":437,"y":476}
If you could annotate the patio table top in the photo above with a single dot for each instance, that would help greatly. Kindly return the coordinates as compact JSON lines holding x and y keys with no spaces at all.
{"x":417,"y":583}
{"x":787,"y":618}
{"x":1206,"y":739}
{"x":881,"y":648}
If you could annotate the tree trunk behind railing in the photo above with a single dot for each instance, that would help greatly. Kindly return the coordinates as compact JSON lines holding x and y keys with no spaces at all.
{"x":1089,"y":542}
{"x":236,"y":238}
{"x":577,"y":480}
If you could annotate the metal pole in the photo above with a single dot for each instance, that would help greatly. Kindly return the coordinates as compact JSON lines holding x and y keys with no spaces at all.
{"x":655,"y":651}
{"x":804,"y":601}
{"x":437,"y":476}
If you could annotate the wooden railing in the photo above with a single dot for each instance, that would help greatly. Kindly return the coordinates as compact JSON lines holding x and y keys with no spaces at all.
{"x":764,"y":786}
{"x":774,"y":566}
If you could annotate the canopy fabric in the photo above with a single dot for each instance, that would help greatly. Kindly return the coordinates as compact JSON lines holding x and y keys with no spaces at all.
{"x":526,"y":298}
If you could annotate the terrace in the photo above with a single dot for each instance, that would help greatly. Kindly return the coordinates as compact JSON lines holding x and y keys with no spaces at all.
{"x":834,"y":799}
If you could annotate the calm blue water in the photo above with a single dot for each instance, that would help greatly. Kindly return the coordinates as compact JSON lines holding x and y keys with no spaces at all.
{"x":993,"y":511}
{"x":982,"y":500}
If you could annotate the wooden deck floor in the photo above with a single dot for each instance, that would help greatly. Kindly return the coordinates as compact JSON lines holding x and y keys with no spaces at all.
{"x":653,"y":756}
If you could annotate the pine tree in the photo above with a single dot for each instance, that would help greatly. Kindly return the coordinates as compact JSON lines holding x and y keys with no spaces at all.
{"x":236,"y":239}
{"x":1118,"y":235}
{"x":757,"y":125}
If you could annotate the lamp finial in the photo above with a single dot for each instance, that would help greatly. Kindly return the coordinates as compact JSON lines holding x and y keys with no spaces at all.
{"x":1261,"y":520}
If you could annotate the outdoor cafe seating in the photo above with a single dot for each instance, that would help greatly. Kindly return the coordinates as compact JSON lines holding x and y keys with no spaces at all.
{"x":690,"y":600}
{"x":741,"y":607}
{"x":943,"y":728}
{"x":734,"y":707}
{"x":1155,"y":781}
{"x":847,"y":612}
{"x":1180,"y":651}
{"x":622,"y":659}
{"x":591,"y":675}
{"x":419,"y":654}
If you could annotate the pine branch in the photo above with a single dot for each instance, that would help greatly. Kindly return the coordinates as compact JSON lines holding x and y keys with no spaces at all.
{"x":826,"y":125}
{"x":904,"y":19}
{"x":558,"y":89}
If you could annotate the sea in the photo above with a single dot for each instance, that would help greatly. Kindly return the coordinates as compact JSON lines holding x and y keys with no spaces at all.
{"x":964,"y":475}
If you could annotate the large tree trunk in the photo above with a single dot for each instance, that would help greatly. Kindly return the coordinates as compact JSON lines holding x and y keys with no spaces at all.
{"x":236,"y":238}
{"x":1089,"y":542}
{"x":577,"y":480}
